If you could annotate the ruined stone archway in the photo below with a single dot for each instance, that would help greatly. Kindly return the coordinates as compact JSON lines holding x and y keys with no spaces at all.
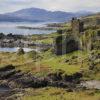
{"x":64,"y":45}
{"x":72,"y":45}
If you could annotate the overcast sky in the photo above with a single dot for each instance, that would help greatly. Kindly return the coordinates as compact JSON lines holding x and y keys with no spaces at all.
{"x":62,"y":5}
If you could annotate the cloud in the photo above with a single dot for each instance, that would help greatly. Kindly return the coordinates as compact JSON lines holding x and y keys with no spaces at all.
{"x":63,"y":5}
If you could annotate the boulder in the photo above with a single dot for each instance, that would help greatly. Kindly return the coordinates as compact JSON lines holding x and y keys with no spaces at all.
{"x":20,"y":51}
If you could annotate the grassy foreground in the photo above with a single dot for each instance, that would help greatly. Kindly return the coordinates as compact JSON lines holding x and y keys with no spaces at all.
{"x":60,"y":94}
{"x":43,"y":63}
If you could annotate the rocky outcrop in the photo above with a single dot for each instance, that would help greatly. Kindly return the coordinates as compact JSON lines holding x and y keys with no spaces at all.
{"x":16,"y":79}
{"x":22,"y":42}
{"x":11,"y":40}
{"x":12,"y":78}
{"x":14,"y":43}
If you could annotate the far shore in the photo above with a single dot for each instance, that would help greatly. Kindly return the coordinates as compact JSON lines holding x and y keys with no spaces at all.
{"x":38,"y":28}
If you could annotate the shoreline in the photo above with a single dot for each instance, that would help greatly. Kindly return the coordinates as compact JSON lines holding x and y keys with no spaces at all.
{"x":21,"y":41}
{"x":38,"y":28}
{"x":15,"y":49}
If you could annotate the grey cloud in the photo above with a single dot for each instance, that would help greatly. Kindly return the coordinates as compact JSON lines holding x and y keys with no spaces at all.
{"x":64,"y":5}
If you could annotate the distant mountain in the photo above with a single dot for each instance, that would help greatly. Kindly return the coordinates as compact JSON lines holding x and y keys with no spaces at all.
{"x":39,"y":15}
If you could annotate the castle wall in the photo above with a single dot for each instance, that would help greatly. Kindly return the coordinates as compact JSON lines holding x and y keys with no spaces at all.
{"x":66,"y":44}
{"x":77,"y":26}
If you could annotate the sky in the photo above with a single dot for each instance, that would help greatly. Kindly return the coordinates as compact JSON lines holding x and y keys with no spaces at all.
{"x":52,"y":5}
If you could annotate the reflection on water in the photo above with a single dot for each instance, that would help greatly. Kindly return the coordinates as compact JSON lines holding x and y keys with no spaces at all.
{"x":4,"y":89}
{"x":15,"y":49}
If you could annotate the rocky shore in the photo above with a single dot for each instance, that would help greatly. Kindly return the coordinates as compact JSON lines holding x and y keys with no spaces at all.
{"x":22,"y":41}
{"x":15,"y":43}
{"x":14,"y":82}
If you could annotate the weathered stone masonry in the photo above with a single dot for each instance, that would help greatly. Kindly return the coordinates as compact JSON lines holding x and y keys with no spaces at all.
{"x":68,"y":43}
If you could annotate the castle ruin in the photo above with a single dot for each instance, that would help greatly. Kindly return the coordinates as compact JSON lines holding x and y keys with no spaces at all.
{"x":77,"y":26}
{"x":65,"y":44}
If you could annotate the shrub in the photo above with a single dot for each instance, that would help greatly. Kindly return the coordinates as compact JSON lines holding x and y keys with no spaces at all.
{"x":20,"y":51}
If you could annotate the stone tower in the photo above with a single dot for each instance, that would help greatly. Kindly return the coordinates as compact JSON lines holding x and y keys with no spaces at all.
{"x":77,"y":26}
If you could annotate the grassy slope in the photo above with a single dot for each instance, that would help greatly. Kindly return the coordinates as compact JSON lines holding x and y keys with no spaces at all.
{"x":94,"y":16}
{"x":60,"y":94}
{"x":48,"y":63}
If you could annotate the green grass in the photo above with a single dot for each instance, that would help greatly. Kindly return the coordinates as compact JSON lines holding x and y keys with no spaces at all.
{"x":44,"y":38}
{"x":50,"y":93}
{"x":46,"y":41}
{"x":43,"y":63}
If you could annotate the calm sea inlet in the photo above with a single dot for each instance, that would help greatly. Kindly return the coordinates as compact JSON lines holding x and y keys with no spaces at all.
{"x":11,"y":27}
{"x":15,"y":49}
